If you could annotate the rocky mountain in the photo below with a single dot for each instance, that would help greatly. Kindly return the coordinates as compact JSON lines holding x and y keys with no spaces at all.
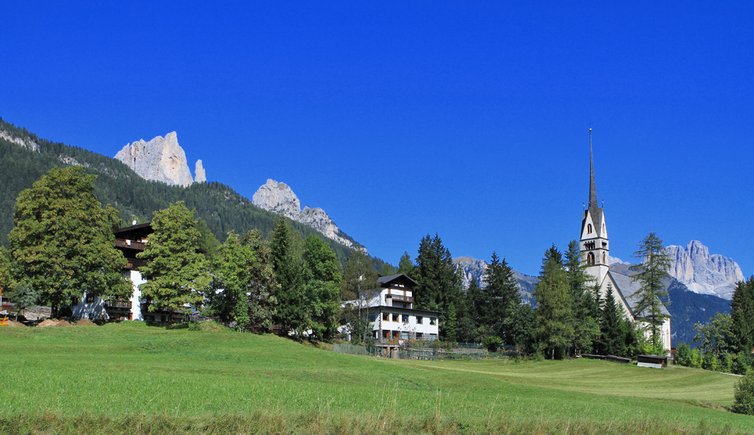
{"x":474,"y":268}
{"x":161,"y":159}
{"x":702,"y":272}
{"x":278,"y":197}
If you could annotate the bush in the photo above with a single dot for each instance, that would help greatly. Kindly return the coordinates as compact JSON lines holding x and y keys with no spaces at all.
{"x":683,"y":355}
{"x":710,"y":362}
{"x":492,"y":342}
{"x":741,"y":364}
{"x":744,"y":395}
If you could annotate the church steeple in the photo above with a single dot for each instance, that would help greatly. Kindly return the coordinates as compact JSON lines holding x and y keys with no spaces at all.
{"x":592,"y":184}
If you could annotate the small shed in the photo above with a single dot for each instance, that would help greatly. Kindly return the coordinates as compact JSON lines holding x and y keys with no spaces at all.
{"x":652,"y":361}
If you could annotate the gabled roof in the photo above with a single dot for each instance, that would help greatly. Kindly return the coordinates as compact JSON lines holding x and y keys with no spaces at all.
{"x":384,"y":281}
{"x":629,"y":289}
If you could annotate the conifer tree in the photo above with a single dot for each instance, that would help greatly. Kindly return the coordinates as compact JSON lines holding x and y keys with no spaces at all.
{"x":585,"y":325}
{"x":62,"y":243}
{"x":439,"y":280}
{"x":359,"y":276}
{"x":554,"y":330}
{"x":612,"y":335}
{"x":650,"y":274}
{"x":406,"y":266}
{"x":742,"y":315}
{"x":262,"y":285}
{"x":232,"y":268}
{"x":292,"y":314}
{"x":323,"y":278}
{"x":500,"y":299}
{"x":177,"y":273}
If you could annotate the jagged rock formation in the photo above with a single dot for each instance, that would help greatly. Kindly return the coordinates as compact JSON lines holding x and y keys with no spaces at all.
{"x":279,"y":198}
{"x":200,"y":176}
{"x":702,"y":272}
{"x":22,"y":142}
{"x":160,"y":159}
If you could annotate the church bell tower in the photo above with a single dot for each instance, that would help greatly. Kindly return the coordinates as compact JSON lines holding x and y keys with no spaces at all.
{"x":594,"y":244}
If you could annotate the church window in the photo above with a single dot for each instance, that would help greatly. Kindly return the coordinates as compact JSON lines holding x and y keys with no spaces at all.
{"x":590,"y":259}
{"x":589,"y":228}
{"x":604,"y":258}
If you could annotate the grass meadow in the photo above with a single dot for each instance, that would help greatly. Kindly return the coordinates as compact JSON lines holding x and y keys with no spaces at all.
{"x":130,"y":377}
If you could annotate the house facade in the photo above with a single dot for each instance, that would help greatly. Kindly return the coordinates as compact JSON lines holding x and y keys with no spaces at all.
{"x":595,"y":255}
{"x":391,"y":315}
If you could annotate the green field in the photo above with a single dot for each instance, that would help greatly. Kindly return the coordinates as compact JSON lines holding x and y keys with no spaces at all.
{"x":130,"y":377}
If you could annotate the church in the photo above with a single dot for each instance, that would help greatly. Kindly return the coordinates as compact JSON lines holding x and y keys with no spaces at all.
{"x":595,"y":255}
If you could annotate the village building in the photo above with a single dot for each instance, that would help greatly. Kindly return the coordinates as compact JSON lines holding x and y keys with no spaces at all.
{"x":390,"y":313}
{"x":595,"y":255}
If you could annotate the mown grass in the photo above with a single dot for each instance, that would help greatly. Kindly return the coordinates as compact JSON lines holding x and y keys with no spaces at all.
{"x":129,"y":377}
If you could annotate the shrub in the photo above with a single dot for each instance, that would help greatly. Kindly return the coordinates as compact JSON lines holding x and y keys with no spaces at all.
{"x":492,"y":342}
{"x":683,"y":355}
{"x":710,"y":362}
{"x":728,"y":362}
{"x":741,"y":364}
{"x":696,"y":359}
{"x":744,"y":395}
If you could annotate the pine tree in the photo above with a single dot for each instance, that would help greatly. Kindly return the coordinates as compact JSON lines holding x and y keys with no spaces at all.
{"x":177,"y":273}
{"x":292,"y":314}
{"x":439,"y":280}
{"x":323,"y":278}
{"x":359,"y":276}
{"x":585,"y":325}
{"x":500,"y":300}
{"x":262,"y":285}
{"x":612,"y":334}
{"x":742,"y":315}
{"x":231,"y":279}
{"x":62,"y":243}
{"x":406,"y":266}
{"x":650,"y":274}
{"x":554,"y":330}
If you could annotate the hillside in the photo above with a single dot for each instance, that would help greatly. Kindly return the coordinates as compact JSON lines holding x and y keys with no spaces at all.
{"x":24,"y":158}
{"x":130,"y":377}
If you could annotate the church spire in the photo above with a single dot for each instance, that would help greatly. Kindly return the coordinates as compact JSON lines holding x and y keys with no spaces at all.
{"x":592,"y":185}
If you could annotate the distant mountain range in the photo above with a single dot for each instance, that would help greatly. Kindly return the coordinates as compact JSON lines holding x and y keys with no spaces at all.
{"x":710,"y":280}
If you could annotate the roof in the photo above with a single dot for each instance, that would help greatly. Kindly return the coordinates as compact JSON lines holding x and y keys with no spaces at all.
{"x":142,"y":230}
{"x":593,"y":208}
{"x":383,"y":280}
{"x":629,"y":289}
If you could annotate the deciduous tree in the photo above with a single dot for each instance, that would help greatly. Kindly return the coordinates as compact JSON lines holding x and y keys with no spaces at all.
{"x":322,"y":287}
{"x":231,"y":279}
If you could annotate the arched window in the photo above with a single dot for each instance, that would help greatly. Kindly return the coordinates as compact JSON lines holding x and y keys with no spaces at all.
{"x":590,"y":259}
{"x":589,"y":228}
{"x":604,"y":258}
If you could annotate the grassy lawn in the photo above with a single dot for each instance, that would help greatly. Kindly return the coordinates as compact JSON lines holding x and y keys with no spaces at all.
{"x":129,"y":377}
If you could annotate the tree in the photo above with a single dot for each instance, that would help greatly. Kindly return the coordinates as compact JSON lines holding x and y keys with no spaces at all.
{"x":612,"y":335}
{"x":358,"y":275}
{"x":500,"y":300}
{"x":177,"y":273}
{"x":744,"y":395}
{"x":292,"y":314}
{"x":231,"y":279}
{"x":406,"y":266}
{"x":650,"y":274}
{"x":439,"y":281}
{"x":62,"y":241}
{"x":742,"y":315}
{"x":5,"y":273}
{"x":262,"y":284}
{"x":683,"y":355}
{"x":23,"y":296}
{"x":554,"y":328}
{"x":586,"y":326}
{"x":717,"y":337}
{"x":322,"y":287}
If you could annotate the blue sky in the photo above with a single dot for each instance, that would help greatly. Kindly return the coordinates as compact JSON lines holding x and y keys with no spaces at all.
{"x":407,"y":118}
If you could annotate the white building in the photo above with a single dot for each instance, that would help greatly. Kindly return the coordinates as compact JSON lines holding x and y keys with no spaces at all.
{"x":391,"y":314}
{"x":595,"y":250}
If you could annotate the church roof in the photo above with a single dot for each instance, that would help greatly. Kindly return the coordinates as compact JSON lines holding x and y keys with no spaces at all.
{"x":629,"y":289}
{"x":593,"y":207}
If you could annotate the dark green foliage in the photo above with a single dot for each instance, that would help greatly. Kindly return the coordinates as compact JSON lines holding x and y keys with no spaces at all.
{"x":439,"y":281}
{"x":742,"y":315}
{"x":586,"y":326}
{"x":262,"y":285}
{"x":5,"y":274}
{"x":62,"y":244}
{"x":359,"y":275}
{"x":218,"y":205}
{"x":554,"y":330}
{"x":406,"y":266}
{"x":683,"y":355}
{"x":744,"y":395}
{"x":650,"y":274}
{"x":500,"y":300}
{"x":717,"y":338}
{"x":177,"y":273}
{"x":742,"y":363}
{"x":292,"y":314}
{"x":23,"y":296}
{"x":492,"y":342}
{"x":612,"y":335}
{"x":323,"y":278}
{"x":231,"y":279}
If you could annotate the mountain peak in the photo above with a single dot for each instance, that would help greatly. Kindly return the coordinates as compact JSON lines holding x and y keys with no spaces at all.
{"x":159,"y":159}
{"x":703,"y":272}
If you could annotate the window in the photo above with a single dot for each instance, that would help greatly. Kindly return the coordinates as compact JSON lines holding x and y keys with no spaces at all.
{"x":433,"y":321}
{"x":419,"y":320}
{"x":396,"y":317}
{"x":589,"y":228}
{"x":385,"y":317}
{"x":604,"y":260}
{"x":419,"y":335}
{"x":405,"y":319}
{"x":372,"y":317}
{"x":432,"y":337}
{"x":404,"y":335}
{"x":590,"y":259}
